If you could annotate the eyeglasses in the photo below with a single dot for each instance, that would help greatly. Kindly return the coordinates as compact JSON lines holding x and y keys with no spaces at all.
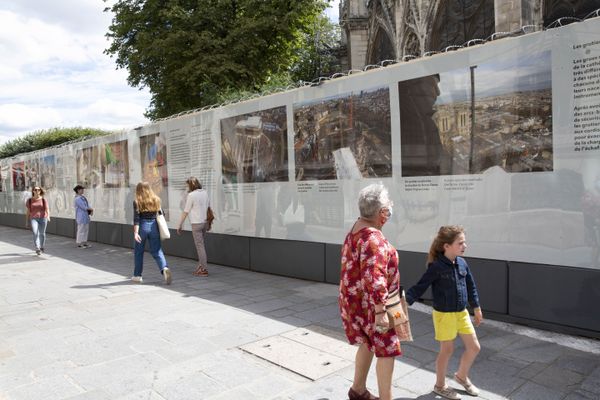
{"x":37,"y":189}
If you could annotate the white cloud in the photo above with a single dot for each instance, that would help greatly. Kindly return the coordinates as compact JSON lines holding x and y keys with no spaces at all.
{"x":333,"y":11}
{"x":54,"y":72}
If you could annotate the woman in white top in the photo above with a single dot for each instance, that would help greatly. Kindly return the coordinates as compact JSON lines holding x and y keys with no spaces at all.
{"x":196,"y":207}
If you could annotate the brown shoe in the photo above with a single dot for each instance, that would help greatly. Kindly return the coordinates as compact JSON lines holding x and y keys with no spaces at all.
{"x":353,"y":395}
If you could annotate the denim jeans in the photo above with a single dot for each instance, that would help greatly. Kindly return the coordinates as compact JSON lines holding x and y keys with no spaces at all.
{"x":38,"y":226}
{"x":148,"y":230}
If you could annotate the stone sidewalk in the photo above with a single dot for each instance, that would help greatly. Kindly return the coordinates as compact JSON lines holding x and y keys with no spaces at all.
{"x":72,"y":326}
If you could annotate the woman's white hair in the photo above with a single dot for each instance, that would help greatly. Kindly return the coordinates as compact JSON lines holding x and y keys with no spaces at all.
{"x":371,"y":199}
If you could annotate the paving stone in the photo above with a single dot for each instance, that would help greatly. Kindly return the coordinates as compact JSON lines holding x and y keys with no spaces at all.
{"x":77,"y":328}
{"x":298,"y":357}
{"x":578,"y":363}
{"x":591,"y":384}
{"x":330,"y":388}
{"x":93,"y":395}
{"x":143,"y":395}
{"x":320,"y":314}
{"x":557,"y":378}
{"x":55,"y":388}
{"x":533,"y":391}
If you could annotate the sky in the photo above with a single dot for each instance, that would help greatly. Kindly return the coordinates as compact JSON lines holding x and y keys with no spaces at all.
{"x":53,"y":71}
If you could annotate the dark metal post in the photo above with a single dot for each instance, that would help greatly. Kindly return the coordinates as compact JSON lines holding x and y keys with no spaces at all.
{"x":472,"y":118}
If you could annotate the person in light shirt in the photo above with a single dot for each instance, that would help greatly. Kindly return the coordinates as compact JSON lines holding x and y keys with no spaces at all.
{"x":196,"y":207}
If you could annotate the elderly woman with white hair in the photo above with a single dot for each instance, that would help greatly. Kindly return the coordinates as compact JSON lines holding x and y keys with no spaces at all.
{"x":369,"y":272}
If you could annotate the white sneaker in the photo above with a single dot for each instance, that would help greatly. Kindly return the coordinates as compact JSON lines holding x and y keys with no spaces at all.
{"x":137,"y":279}
{"x":167,"y":275}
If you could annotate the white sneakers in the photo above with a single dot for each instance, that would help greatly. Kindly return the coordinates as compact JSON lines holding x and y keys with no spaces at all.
{"x":167,"y":275}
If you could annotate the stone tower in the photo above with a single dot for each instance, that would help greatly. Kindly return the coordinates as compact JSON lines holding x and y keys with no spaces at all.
{"x":377,"y":30}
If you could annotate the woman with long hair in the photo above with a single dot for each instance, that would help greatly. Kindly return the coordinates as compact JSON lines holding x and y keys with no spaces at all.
{"x":37,"y":213}
{"x":196,"y":207}
{"x":146,"y":206}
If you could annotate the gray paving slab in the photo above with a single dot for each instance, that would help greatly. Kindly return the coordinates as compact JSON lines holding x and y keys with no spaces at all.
{"x":72,"y":326}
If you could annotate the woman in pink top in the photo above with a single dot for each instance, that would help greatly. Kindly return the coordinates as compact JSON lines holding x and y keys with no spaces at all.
{"x":37,"y":211}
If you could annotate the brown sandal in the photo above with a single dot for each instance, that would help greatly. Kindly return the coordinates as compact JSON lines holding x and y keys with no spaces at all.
{"x":201,"y":271}
{"x":353,"y":395}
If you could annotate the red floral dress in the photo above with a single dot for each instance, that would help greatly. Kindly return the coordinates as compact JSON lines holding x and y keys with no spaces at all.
{"x":369,"y":273}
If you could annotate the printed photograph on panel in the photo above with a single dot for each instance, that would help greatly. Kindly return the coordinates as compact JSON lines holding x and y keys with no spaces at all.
{"x":344,"y":137}
{"x":32,"y":173}
{"x":47,"y":168}
{"x":115,"y":164}
{"x":153,"y":153}
{"x":513,"y":114}
{"x":507,"y":123}
{"x":88,"y":167}
{"x":254,"y":147}
{"x":18,"y":176}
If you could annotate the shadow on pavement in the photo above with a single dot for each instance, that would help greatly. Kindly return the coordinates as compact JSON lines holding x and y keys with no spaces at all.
{"x":509,"y":364}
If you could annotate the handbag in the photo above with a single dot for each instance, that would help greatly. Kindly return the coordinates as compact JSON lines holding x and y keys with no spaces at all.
{"x":210,"y":217}
{"x":397,"y":311}
{"x":163,"y":228}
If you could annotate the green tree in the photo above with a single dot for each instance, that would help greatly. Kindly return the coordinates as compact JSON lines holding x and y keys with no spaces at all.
{"x":42,"y":139}
{"x":318,"y":56}
{"x":188,"y":51}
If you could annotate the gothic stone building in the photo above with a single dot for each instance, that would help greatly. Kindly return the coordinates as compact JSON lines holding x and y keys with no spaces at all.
{"x":377,"y":30}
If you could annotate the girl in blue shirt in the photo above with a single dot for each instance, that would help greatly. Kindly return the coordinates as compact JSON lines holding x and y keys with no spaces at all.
{"x":453,"y":288}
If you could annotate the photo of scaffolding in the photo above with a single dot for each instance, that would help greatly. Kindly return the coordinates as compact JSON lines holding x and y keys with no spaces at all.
{"x":344,"y":137}
{"x":254,"y":147}
{"x":468,"y":120}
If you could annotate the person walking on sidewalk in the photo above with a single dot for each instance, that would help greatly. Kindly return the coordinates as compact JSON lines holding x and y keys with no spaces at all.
{"x":196,"y":207}
{"x":145,"y":208}
{"x":369,"y":273}
{"x":37,"y":213}
{"x":83,"y":211}
{"x":453,"y":288}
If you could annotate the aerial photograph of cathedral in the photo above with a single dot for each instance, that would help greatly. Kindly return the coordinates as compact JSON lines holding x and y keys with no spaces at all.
{"x":344,"y":137}
{"x":508,"y":123}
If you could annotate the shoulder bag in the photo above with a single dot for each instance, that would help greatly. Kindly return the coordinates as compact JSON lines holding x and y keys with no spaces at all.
{"x":163,"y":228}
{"x":210,"y":217}
{"x":397,"y":311}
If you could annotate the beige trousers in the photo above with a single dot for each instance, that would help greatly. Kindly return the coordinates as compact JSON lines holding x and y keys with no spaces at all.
{"x":198,"y":231}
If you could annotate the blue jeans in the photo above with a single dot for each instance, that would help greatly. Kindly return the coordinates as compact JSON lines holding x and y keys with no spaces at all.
{"x":148,"y":230}
{"x":38,"y":226}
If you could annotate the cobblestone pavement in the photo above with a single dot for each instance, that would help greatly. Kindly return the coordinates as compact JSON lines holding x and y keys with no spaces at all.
{"x":72,"y":326}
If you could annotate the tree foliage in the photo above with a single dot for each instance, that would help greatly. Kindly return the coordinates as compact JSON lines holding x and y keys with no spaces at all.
{"x":187,"y":52}
{"x":318,"y":55}
{"x":42,"y":139}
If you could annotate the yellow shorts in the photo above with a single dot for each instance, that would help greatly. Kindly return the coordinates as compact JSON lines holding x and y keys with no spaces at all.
{"x":448,"y":324}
